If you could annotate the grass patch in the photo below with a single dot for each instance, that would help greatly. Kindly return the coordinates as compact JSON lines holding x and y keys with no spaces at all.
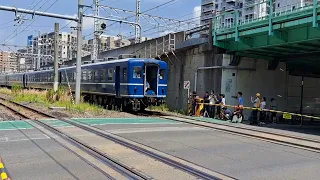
{"x":48,"y":98}
{"x":5,"y":91}
{"x":165,"y":108}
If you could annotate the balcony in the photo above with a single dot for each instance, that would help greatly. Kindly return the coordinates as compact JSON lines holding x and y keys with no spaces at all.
{"x":205,"y":2}
{"x":205,"y":17}
{"x":207,"y":9}
{"x":229,"y":7}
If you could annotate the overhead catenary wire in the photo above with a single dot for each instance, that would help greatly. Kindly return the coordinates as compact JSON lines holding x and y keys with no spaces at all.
{"x":25,"y":16}
{"x":32,"y":21}
{"x":165,"y":3}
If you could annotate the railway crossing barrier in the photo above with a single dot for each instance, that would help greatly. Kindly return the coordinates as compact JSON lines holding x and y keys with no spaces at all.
{"x":285,"y":115}
{"x":3,"y":172}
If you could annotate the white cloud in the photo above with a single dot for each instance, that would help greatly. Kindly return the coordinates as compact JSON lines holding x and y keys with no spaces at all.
{"x":197,"y":14}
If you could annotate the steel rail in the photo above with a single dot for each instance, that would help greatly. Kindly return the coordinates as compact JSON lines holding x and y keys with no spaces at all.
{"x":115,"y":164}
{"x":272,"y":140}
{"x":149,"y":153}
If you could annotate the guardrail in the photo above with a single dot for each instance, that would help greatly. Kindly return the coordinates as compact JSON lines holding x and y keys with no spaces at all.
{"x":286,"y":115}
{"x":3,"y":171}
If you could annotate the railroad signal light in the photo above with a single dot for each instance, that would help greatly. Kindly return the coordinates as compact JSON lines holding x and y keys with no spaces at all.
{"x":103,"y":26}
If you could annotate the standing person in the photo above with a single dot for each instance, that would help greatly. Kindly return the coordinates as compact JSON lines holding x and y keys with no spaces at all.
{"x":212,"y":101}
{"x":240,"y":103}
{"x":194,"y":102}
{"x":238,"y":113}
{"x":218,"y":102}
{"x":222,"y":102}
{"x":273,"y":106}
{"x":263,"y":114}
{"x":206,"y":106}
{"x":256,"y":104}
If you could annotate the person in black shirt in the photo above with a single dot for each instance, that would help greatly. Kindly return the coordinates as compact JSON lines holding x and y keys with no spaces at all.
{"x":206,"y":107}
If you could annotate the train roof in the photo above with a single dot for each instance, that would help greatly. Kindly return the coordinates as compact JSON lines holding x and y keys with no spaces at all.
{"x":100,"y":63}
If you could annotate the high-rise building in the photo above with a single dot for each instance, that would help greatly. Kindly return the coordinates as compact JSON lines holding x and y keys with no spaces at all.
{"x":110,"y":42}
{"x":8,"y":62}
{"x":247,"y":10}
{"x":45,"y":43}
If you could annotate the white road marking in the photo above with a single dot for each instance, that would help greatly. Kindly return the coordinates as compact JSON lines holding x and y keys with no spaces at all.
{"x":158,"y":129}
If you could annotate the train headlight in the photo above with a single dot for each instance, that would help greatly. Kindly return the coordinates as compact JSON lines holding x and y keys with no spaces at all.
{"x":162,"y":90}
{"x":135,"y":90}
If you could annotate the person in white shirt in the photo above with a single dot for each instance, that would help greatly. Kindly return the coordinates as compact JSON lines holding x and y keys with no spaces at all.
{"x":223,"y":100}
{"x":212,"y":102}
{"x":221,"y":103}
{"x":263,"y":106}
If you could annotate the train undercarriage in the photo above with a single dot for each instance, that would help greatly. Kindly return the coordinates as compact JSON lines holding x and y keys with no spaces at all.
{"x":122,"y":104}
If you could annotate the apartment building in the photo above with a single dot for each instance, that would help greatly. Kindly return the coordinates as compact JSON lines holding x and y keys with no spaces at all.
{"x":8,"y":62}
{"x":287,"y":5}
{"x":110,"y":42}
{"x":45,"y":43}
{"x":248,"y":9}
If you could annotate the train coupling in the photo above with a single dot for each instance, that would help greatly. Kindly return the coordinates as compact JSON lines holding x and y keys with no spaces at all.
{"x":135,"y":105}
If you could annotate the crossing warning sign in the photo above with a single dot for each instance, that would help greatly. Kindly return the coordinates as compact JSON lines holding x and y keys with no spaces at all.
{"x":186,"y":84}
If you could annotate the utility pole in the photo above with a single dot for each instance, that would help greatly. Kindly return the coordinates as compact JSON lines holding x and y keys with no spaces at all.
{"x":137,"y":29}
{"x":95,"y":49}
{"x":79,"y":50}
{"x":56,"y":54}
{"x":39,"y":51}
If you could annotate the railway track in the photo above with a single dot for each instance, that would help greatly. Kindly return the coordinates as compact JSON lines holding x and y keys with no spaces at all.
{"x":24,"y":112}
{"x":129,"y":171}
{"x":273,"y":137}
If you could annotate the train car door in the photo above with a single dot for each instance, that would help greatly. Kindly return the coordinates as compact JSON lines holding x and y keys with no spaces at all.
{"x":151,"y":72}
{"x":117,"y":81}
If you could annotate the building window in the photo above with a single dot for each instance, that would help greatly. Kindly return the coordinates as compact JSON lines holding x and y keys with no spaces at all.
{"x":278,"y":4}
{"x":137,"y":72}
{"x":110,"y":74}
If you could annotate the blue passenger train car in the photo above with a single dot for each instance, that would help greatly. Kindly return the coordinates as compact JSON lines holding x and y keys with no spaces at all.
{"x":132,"y":83}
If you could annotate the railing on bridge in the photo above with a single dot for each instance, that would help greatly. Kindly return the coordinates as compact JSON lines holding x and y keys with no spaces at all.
{"x":157,"y":47}
{"x":259,"y":10}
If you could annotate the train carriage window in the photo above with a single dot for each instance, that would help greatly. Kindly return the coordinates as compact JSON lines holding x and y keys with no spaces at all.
{"x":110,"y":74}
{"x":162,"y":73}
{"x":103,"y":74}
{"x":96,"y":76}
{"x":84,"y":75}
{"x":63,"y":77}
{"x":70,"y":76}
{"x":137,"y":72}
{"x":124,"y":71}
{"x":89,"y":73}
{"x":74,"y":76}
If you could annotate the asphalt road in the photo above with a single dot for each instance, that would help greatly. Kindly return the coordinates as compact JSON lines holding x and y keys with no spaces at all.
{"x":236,"y":156}
{"x":29,"y":154}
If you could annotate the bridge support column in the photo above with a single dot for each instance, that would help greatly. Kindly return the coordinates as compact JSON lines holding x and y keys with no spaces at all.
{"x":270,"y":17}
{"x":237,"y":24}
{"x":315,"y":23}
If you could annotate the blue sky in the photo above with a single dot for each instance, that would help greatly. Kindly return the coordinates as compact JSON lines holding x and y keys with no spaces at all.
{"x":12,"y":33}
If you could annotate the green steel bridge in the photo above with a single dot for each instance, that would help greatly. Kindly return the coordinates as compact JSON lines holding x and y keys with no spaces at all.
{"x":289,"y":33}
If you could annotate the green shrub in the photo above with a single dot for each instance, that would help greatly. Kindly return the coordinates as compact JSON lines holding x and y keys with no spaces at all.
{"x":16,"y":88}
